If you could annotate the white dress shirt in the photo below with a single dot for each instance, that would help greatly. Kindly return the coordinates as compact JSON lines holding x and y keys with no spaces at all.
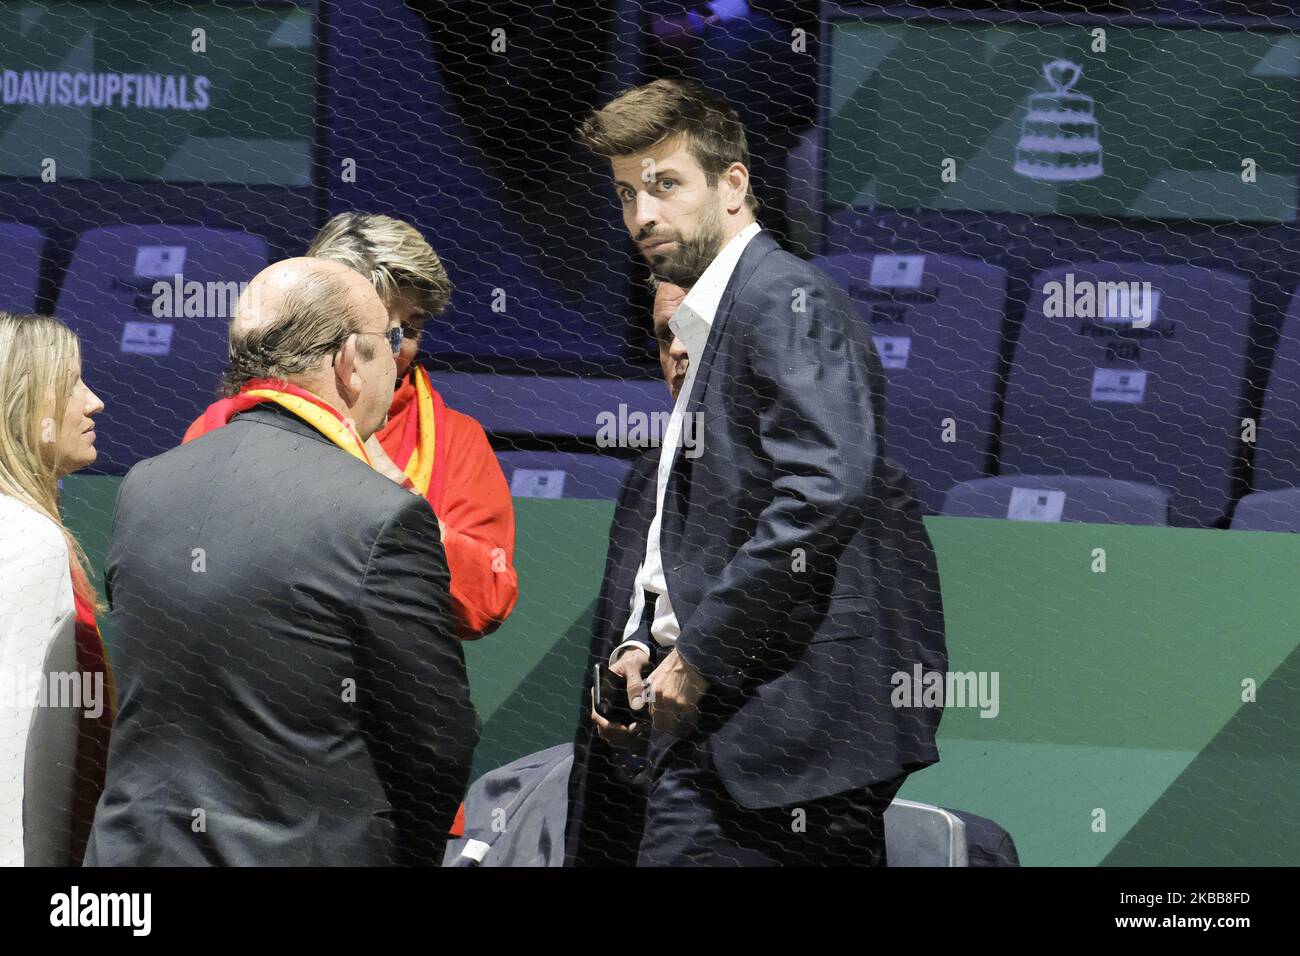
{"x":692,"y":323}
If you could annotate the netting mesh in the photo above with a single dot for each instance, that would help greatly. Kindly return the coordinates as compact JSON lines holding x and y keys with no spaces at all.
{"x":1023,"y":261}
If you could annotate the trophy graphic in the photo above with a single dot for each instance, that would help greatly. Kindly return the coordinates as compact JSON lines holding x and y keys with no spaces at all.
{"x":1059,"y":137}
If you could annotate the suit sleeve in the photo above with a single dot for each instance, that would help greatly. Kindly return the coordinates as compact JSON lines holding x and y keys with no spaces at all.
{"x":480,"y":538}
{"x":810,"y":391}
{"x":419,"y":721}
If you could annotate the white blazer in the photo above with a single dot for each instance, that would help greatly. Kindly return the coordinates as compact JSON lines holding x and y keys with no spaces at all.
{"x":37,"y":623}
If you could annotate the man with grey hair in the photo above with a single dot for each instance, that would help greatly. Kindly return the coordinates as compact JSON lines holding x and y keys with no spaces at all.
{"x":290,"y":688}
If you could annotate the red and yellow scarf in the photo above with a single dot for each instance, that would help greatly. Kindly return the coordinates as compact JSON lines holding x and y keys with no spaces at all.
{"x":316,"y":412}
{"x":415,"y":420}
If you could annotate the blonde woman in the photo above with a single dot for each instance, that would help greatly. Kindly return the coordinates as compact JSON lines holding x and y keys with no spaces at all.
{"x":55,"y":709}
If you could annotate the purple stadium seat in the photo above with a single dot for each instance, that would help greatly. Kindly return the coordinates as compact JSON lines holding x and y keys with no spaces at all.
{"x":1268,"y":511}
{"x":559,"y":474}
{"x":1112,"y":391}
{"x":937,"y":322}
{"x":1051,"y":498}
{"x":1277,"y":450}
{"x":20,"y":265}
{"x":155,"y":371}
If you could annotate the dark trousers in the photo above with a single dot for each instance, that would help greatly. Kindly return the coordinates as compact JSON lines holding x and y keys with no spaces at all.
{"x":692,"y":821}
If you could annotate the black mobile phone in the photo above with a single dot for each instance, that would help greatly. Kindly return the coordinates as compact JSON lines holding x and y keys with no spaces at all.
{"x":610,"y":699}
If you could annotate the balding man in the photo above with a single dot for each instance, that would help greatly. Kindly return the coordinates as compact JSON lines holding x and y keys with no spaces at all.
{"x":290,"y":687}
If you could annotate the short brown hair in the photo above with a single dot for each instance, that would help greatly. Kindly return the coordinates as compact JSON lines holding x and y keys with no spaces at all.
{"x":644,"y":116}
{"x":391,"y":254}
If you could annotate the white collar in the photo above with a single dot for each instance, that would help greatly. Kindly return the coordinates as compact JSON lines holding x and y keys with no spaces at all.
{"x":701,"y":303}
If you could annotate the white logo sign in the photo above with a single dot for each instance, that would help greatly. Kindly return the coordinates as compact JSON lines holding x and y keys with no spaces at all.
{"x":1118,"y":385}
{"x":893,"y":349}
{"x":147,"y":338}
{"x":159,"y":262}
{"x":897,"y":272}
{"x":1035,"y":504}
{"x":537,"y":483}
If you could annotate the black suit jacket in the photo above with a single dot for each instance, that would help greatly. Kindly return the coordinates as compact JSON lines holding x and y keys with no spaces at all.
{"x":776,"y":542}
{"x":290,"y":687}
{"x":604,"y":820}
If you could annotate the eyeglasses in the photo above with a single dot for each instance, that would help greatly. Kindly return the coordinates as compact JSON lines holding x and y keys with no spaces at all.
{"x":394,"y":336}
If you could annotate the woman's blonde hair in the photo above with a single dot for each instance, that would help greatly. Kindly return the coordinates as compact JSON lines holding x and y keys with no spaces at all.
{"x":40,"y":361}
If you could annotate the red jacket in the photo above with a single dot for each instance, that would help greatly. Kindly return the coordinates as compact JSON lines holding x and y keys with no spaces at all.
{"x":470,"y":497}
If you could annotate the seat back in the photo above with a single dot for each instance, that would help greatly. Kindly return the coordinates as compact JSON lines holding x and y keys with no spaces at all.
{"x":49,"y":782}
{"x":515,"y":815}
{"x":1051,"y":498}
{"x":1268,"y":511}
{"x":154,"y":345}
{"x":1277,"y":449}
{"x":21,"y":248}
{"x":557,"y":474}
{"x":937,"y":324}
{"x":551,"y":406}
{"x":1102,"y":386}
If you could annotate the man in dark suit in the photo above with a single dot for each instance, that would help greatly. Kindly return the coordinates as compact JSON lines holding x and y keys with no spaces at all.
{"x":763,"y":590}
{"x":606,"y":806}
{"x":290,"y":687}
{"x":606,"y":801}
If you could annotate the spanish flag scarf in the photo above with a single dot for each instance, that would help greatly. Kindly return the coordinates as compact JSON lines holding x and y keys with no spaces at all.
{"x":313,"y":410}
{"x":415,"y":420}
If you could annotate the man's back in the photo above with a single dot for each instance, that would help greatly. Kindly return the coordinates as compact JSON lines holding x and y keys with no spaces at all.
{"x":290,"y":688}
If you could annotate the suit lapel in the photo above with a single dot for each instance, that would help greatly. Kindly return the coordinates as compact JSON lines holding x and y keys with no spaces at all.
{"x":755,"y":251}
{"x":758,"y":247}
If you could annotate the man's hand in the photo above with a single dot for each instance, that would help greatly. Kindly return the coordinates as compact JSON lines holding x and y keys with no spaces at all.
{"x":384,"y":465}
{"x":674,"y":695}
{"x":627,"y":736}
{"x":631,"y":666}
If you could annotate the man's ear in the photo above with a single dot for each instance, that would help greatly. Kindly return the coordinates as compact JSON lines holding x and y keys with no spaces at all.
{"x":346,"y":378}
{"x":737,"y":179}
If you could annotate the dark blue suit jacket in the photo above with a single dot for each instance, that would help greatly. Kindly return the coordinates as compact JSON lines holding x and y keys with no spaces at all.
{"x":781,"y":541}
{"x":605,"y":813}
